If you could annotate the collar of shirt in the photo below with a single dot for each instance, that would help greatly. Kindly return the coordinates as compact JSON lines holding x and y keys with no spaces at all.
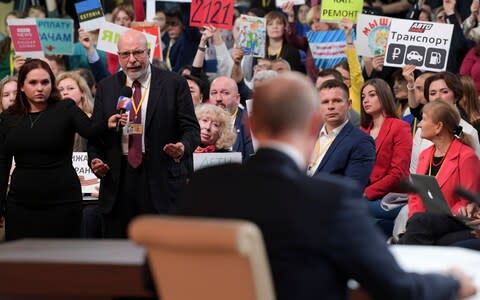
{"x":334,"y":132}
{"x":144,"y":81}
{"x":289,"y":151}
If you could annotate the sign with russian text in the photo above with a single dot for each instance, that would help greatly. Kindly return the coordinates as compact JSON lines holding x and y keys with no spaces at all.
{"x":25,"y":38}
{"x":153,"y":29}
{"x":204,"y":160}
{"x":372,"y":36}
{"x":110,"y":33}
{"x":279,"y":3}
{"x":90,"y":14}
{"x":423,"y":44}
{"x":56,"y":36}
{"x":336,"y":10}
{"x":252,"y":35}
{"x":218,"y":13}
{"x":89,"y":182}
{"x":328,"y":47}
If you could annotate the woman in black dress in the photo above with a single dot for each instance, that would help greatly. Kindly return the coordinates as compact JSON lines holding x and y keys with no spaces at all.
{"x":44,"y":199}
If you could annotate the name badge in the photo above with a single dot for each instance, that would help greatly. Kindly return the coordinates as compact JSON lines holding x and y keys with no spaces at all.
{"x":134,"y":128}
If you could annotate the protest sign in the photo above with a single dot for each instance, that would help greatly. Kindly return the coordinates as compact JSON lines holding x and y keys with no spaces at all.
{"x":89,"y":182}
{"x":372,"y":35}
{"x":110,"y":33}
{"x":56,"y":36}
{"x":25,"y":38}
{"x":90,"y":14}
{"x":203,"y":160}
{"x":336,"y":10}
{"x":279,"y":3}
{"x":327,"y":47}
{"x":153,"y":29}
{"x":252,"y":35}
{"x":423,"y":44}
{"x":218,"y":13}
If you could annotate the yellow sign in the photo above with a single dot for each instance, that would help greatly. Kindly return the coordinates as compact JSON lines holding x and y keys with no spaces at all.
{"x":336,"y":10}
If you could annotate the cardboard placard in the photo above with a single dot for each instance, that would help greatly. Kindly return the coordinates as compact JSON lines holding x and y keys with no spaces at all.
{"x":204,"y":160}
{"x":423,"y":44}
{"x":153,"y":29}
{"x":89,"y":182}
{"x":90,"y":14}
{"x":336,"y":10}
{"x":372,"y":35}
{"x":25,"y":38}
{"x":328,"y":47}
{"x":252,"y":35}
{"x":218,"y":13}
{"x":56,"y":36}
{"x":110,"y":33}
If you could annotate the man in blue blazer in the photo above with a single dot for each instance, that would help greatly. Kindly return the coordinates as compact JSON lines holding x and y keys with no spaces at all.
{"x":224,"y":93}
{"x":341,"y":149}
{"x":317,"y":230}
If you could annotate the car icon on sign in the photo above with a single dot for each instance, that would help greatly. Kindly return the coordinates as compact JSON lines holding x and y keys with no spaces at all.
{"x":414,"y":55}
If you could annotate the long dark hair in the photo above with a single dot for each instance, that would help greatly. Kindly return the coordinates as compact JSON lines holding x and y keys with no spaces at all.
{"x":22,"y":106}
{"x":385,"y":95}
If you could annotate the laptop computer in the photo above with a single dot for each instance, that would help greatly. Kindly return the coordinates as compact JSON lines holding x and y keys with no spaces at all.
{"x":433,"y":198}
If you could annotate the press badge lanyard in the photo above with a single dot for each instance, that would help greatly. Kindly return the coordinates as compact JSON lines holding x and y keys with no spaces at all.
{"x":135,"y":108}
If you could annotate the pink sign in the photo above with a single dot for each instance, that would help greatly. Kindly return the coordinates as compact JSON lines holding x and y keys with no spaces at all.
{"x":26,"y":40}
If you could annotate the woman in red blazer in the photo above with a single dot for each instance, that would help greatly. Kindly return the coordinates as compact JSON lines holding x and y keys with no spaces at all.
{"x":451,"y":152}
{"x":393,"y":142}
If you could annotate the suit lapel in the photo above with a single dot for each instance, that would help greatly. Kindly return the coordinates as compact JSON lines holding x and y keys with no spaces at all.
{"x":383,"y":133}
{"x":338,"y":140}
{"x":154,"y":96}
{"x":449,"y":164}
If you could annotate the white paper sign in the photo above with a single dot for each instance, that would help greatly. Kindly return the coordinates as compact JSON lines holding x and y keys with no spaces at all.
{"x":110,"y":33}
{"x":372,"y":35}
{"x":203,"y":160}
{"x":89,"y":182}
{"x":423,"y":44}
{"x":279,"y":3}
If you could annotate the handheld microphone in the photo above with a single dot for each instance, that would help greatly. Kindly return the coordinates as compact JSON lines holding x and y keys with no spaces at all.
{"x":462,"y":192}
{"x":124,"y":103}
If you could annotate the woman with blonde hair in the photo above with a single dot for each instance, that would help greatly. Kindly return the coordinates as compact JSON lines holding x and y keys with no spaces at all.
{"x":72,"y":86}
{"x":8,"y":91}
{"x":453,"y":162}
{"x":216,"y":131}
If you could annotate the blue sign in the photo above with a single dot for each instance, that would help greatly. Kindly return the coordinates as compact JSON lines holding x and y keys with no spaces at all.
{"x":327,"y":47}
{"x":56,"y":36}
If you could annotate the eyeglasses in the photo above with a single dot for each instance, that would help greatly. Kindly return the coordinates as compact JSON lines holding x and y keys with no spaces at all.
{"x":137,"y":54}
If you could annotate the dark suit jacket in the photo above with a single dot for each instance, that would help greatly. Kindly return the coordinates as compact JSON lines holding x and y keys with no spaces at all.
{"x":352,"y":154}
{"x":394,"y":149}
{"x":170,"y":119}
{"x":243,"y":142}
{"x":317,"y":230}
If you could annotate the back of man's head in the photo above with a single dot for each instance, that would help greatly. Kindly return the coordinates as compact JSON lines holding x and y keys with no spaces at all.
{"x":283,"y":105}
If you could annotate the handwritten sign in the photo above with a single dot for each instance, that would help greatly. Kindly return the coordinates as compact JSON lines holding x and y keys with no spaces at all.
{"x":90,"y":14}
{"x":218,"y":13}
{"x":252,"y":35}
{"x":24,"y":34}
{"x":336,"y":10}
{"x":56,"y":36}
{"x":110,"y":33}
{"x":153,"y":29}
{"x":423,"y":44}
{"x":328,"y":47}
{"x":89,"y":182}
{"x":372,"y":35}
{"x":204,"y":160}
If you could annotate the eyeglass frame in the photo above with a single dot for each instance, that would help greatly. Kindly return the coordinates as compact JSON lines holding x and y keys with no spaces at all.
{"x":137,"y":54}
